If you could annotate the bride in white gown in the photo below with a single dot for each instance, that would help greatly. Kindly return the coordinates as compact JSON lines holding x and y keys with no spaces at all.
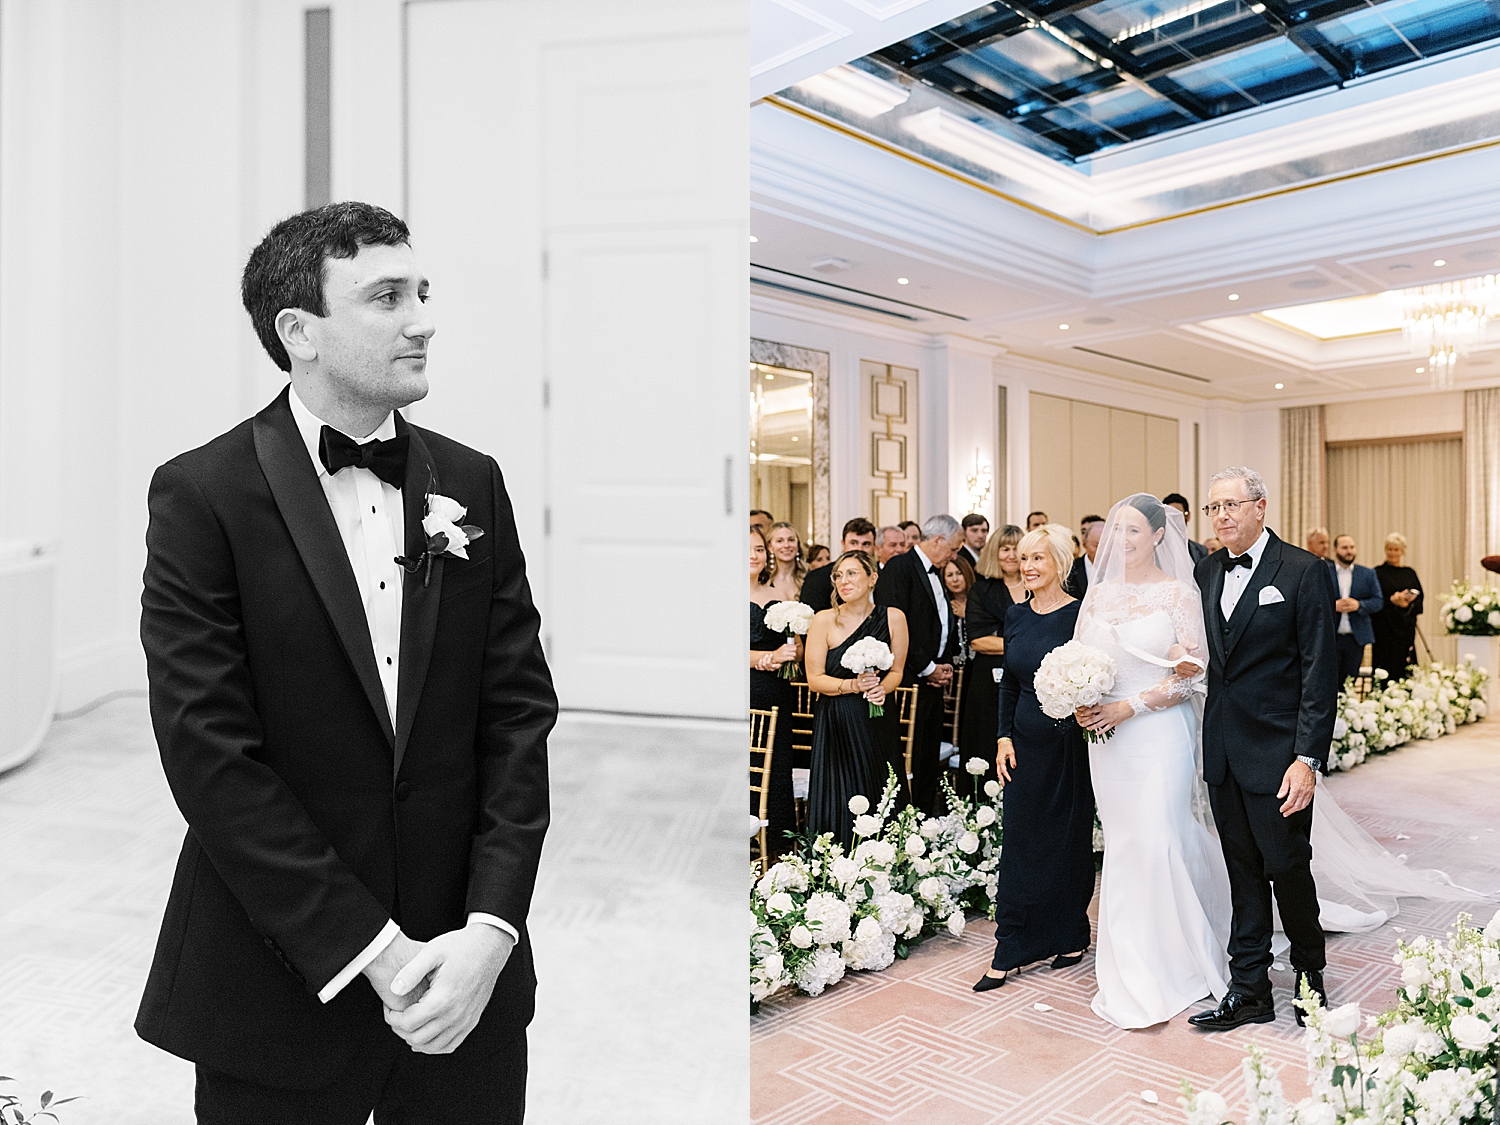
{"x":1164,"y":908}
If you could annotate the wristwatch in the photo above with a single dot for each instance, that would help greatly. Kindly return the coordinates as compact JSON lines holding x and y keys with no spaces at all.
{"x":1311,"y":763}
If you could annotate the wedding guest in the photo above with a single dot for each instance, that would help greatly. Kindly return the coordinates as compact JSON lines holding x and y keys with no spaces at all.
{"x":958,"y":579}
{"x":912,"y":584}
{"x":1036,"y":520}
{"x":1082,"y":572}
{"x":892,"y":542}
{"x":769,"y":650}
{"x":1358,"y":599}
{"x":852,"y":752}
{"x":1197,"y":552}
{"x":1395,"y":625}
{"x":818,"y":555}
{"x":762,"y":520}
{"x":1083,"y":524}
{"x":976,"y":531}
{"x":1317,"y":541}
{"x":817,"y":587}
{"x":786,"y":559}
{"x":1212,"y":544}
{"x":912,"y":531}
{"x":1046,"y":875}
{"x":998,"y":585}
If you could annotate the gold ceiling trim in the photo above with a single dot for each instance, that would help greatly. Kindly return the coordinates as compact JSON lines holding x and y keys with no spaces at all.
{"x":952,"y":174}
{"x":1285,"y":327}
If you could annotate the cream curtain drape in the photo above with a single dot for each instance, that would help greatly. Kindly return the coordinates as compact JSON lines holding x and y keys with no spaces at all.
{"x":1302,"y":472}
{"x":1481,"y":479}
{"x":1415,"y":488}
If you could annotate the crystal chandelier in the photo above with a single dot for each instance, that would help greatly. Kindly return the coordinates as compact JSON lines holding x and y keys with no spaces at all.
{"x":1447,"y":320}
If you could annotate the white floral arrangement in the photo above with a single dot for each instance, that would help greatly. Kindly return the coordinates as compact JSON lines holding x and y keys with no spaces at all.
{"x":789,"y":617}
{"x":1433,"y":701}
{"x":869,"y":655}
{"x":1473,"y":611}
{"x":1430,"y":1060}
{"x":821,"y":912}
{"x":1071,"y":676}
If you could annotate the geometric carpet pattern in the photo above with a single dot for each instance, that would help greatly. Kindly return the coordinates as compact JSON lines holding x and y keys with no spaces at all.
{"x":914,"y":1044}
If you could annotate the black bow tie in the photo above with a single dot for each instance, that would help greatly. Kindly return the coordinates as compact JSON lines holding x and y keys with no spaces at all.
{"x":1232,"y":561}
{"x":933,"y":570}
{"x":386,"y":459}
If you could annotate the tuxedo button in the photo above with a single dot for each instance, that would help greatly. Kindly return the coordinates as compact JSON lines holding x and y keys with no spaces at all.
{"x":403,"y":790}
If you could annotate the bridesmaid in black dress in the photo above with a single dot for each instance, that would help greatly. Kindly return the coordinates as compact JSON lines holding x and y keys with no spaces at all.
{"x":1047,"y":864}
{"x":768,"y":652}
{"x":850,"y":750}
{"x":997,"y":587}
{"x":1396,"y":623}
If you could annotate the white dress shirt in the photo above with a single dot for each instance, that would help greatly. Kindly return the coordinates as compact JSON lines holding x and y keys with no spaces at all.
{"x":1088,"y":568}
{"x":1345,"y":575}
{"x":1237,"y":579}
{"x":372,"y":523}
{"x":942,"y":609}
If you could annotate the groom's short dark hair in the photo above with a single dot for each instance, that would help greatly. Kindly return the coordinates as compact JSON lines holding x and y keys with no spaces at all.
{"x":286,"y":270}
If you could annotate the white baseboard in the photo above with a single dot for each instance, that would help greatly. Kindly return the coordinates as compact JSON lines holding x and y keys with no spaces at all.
{"x":86,"y":672}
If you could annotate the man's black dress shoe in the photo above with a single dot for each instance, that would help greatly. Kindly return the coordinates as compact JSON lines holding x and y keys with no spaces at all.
{"x":1314,"y":982}
{"x":1235,"y":1009}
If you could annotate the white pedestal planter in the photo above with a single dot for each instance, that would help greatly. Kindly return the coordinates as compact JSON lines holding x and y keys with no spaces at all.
{"x":1486,"y":653}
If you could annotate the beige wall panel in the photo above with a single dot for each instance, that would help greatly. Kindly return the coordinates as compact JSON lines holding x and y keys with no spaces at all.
{"x":1161,"y":456}
{"x":1051,"y":457}
{"x":888,"y":425}
{"x":1127,"y":454}
{"x":1091,"y":463}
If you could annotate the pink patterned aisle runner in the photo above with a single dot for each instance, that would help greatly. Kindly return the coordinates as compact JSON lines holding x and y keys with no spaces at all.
{"x":913,"y":1044}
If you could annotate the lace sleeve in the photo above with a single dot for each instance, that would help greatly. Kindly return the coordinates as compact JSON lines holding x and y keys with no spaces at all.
{"x":1187,"y":622}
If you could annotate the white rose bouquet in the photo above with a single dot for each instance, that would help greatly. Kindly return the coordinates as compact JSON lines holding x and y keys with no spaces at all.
{"x":789,"y":617}
{"x":869,"y":655}
{"x":1071,"y":676}
{"x":1473,"y":611}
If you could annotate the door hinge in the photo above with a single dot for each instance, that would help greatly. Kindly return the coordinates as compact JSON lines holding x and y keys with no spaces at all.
{"x":546,"y":393}
{"x":547,"y":521}
{"x":544,"y":265}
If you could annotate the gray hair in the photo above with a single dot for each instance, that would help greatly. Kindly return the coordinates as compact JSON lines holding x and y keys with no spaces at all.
{"x":940,"y":527}
{"x":1255,"y":487}
{"x":880,"y":535}
{"x":1316,"y":531}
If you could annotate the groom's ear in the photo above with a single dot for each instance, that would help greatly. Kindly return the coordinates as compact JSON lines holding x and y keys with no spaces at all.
{"x":292,"y":329}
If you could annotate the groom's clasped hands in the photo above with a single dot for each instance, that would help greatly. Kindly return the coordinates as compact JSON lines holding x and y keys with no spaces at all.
{"x":434,"y":992}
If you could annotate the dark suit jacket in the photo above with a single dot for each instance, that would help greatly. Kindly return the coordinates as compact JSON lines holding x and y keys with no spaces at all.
{"x":1272,"y":673}
{"x":1078,"y":577}
{"x":968,"y":554}
{"x":311,"y":821}
{"x":904,"y":584}
{"x":1364,"y":586}
{"x":817,"y":588}
{"x":1197,"y":552}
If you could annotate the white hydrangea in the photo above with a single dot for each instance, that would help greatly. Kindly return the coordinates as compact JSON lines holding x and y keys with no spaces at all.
{"x":859,"y":804}
{"x":782,"y":877}
{"x":823,"y":968}
{"x":831,"y":914}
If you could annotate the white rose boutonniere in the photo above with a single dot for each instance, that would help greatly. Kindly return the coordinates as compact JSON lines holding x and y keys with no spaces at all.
{"x":445,"y":535}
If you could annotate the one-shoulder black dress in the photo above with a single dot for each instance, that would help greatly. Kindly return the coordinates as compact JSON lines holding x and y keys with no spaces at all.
{"x":767,"y":690}
{"x":851,"y":751}
{"x":1046,"y":876}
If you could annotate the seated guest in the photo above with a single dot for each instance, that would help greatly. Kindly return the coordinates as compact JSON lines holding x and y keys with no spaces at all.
{"x":1358,"y":599}
{"x":1197,"y":552}
{"x":976,"y":531}
{"x":818,"y":555}
{"x":1317,"y":541}
{"x":1083,"y":566}
{"x":1396,"y":624}
{"x":786,"y":560}
{"x":1036,"y":520}
{"x":891,"y":542}
{"x":817,"y":587}
{"x":761,"y":520}
{"x":913,"y":532}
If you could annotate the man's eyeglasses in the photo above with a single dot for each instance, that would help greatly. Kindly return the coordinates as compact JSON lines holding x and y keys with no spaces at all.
{"x":1229,"y":507}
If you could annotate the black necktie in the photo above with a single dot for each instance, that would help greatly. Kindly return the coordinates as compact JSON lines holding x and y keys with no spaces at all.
{"x":1232,"y":561}
{"x":386,"y":459}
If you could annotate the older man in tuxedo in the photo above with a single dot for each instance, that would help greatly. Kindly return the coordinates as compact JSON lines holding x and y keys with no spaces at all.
{"x":913,"y":583}
{"x":352,"y":709}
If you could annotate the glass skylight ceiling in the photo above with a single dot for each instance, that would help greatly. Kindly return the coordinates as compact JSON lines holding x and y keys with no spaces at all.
{"x":1081,"y":77}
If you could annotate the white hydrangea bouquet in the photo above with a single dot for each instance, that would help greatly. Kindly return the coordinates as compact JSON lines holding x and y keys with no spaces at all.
{"x":1473,"y":611}
{"x":974,"y":825}
{"x":1433,"y":701}
{"x":789,"y":617}
{"x":1071,"y":676}
{"x":1430,"y":1060}
{"x":869,"y":655}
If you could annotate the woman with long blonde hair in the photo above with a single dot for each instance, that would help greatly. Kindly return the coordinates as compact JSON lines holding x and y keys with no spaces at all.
{"x":787,"y":565}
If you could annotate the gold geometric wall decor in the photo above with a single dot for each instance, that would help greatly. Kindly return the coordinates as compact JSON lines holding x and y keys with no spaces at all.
{"x":889,"y":455}
{"x":889,"y":419}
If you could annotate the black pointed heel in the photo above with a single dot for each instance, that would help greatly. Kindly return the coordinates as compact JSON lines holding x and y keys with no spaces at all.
{"x":1067,"y":960}
{"x":987,"y":982}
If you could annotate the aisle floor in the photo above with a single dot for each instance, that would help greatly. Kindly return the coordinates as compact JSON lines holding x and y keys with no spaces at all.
{"x":915,"y":1044}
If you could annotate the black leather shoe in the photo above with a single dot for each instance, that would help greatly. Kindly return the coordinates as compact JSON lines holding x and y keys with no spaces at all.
{"x":1235,"y":1009}
{"x":1314,"y":982}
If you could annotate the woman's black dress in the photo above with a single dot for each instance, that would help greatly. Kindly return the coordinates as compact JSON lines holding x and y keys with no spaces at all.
{"x":1047,"y":862}
{"x":989,"y":599}
{"x":767,"y":690}
{"x":850,"y":750}
{"x":1395,"y":627}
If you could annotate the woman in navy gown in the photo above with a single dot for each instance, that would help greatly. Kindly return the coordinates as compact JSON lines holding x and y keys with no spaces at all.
{"x":1046,"y":875}
{"x":769,"y":650}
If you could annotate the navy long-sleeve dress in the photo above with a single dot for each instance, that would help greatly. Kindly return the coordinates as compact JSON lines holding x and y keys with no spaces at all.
{"x":767,"y":690}
{"x":1046,"y":876}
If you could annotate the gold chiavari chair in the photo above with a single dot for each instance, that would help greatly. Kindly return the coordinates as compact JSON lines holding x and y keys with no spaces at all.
{"x":762,"y":745}
{"x":953,"y":694}
{"x":802,"y":728}
{"x":905,"y":699}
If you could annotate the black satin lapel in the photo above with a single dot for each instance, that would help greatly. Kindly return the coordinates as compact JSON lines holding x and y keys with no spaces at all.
{"x":1244,"y":610}
{"x":1211,"y":612}
{"x":294,"y":485}
{"x":419,"y":603}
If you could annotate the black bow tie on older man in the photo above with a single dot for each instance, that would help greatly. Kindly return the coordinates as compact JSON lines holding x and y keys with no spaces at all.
{"x":386,"y":459}
{"x":1232,"y":561}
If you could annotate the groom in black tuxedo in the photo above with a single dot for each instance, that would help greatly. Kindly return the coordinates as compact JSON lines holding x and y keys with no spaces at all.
{"x":352,"y":711}
{"x":1267,"y":726}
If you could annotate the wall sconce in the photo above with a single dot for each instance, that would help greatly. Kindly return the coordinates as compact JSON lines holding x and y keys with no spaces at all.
{"x":979,"y":483}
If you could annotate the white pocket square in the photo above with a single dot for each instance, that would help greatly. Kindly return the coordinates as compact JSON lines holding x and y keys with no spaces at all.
{"x":1270,"y":595}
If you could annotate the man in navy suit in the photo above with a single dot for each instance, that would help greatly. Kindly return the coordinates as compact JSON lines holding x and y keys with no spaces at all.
{"x":1357,"y":598}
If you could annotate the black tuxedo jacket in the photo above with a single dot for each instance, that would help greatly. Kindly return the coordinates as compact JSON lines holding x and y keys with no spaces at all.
{"x":1078,"y":577}
{"x":904,"y":584}
{"x":817,"y":588}
{"x":311,"y":819}
{"x":1272,"y":670}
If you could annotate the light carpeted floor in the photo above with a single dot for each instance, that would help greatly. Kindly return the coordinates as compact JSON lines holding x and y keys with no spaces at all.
{"x":637,"y":924}
{"x":914,"y":1044}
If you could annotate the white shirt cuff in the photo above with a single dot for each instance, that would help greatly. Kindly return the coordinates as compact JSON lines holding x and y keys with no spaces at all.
{"x":927,"y":671}
{"x":358,"y":965}
{"x":498,"y":923}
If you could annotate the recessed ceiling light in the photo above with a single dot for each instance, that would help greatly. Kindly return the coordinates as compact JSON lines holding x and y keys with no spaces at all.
{"x":1234,"y":296}
{"x":902,"y":281}
{"x":1064,"y":327}
{"x":794,"y":437}
{"x":1420,"y":370}
{"x":769,"y":378}
{"x":754,"y":239}
{"x":1440,"y":262}
{"x":1280,"y":385}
